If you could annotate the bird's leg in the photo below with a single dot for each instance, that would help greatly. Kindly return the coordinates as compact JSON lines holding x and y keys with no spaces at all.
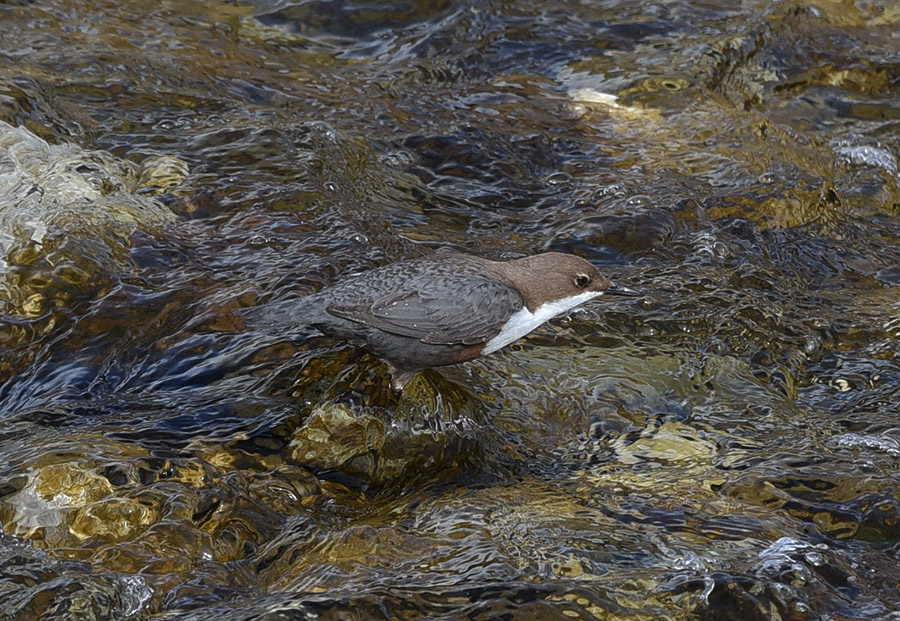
{"x":399,"y":379}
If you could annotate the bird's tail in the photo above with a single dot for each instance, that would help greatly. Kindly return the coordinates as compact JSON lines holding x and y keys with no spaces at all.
{"x":286,"y":318}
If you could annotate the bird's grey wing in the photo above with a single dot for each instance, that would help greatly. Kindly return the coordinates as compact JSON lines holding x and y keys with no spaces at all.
{"x":447,"y":313}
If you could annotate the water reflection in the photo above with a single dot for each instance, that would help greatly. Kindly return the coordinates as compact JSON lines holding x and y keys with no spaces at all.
{"x":725,"y":446}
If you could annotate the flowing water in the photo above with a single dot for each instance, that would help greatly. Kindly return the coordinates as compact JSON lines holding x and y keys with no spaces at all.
{"x":726,"y":446}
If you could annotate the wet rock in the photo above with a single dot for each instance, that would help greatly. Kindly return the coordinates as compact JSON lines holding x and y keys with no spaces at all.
{"x":286,"y":489}
{"x":789,"y":579}
{"x":349,"y":21}
{"x":34,"y":585}
{"x":161,"y":173}
{"x":333,"y":437}
{"x":429,"y":433}
{"x":634,"y":228}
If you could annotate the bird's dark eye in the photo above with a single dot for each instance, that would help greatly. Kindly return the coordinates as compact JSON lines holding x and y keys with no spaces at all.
{"x":582,"y":280}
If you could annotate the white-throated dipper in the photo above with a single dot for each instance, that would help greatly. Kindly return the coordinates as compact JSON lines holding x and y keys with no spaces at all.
{"x":446,"y":308}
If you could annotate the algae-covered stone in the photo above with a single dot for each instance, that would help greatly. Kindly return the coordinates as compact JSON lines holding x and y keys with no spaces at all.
{"x":429,"y":433}
{"x":161,"y":173}
{"x":334,"y":438}
{"x":42,"y":508}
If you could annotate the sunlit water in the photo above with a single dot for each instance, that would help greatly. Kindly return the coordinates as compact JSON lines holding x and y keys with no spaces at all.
{"x":724,"y":447}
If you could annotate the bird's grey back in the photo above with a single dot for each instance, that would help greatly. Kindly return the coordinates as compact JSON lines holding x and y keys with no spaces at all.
{"x":454,"y":291}
{"x":442,"y":300}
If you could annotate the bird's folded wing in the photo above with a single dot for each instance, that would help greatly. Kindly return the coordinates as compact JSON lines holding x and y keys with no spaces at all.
{"x":444,"y":313}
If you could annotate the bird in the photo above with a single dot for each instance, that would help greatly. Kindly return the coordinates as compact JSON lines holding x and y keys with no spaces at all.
{"x":442,"y":309}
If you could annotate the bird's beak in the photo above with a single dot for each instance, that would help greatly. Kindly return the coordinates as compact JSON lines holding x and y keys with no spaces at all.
{"x":622,"y":290}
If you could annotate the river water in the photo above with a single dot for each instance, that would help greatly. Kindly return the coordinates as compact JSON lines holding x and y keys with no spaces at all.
{"x":726,"y":446}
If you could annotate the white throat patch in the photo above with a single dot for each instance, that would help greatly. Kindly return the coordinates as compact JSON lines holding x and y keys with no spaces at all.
{"x":525,"y":321}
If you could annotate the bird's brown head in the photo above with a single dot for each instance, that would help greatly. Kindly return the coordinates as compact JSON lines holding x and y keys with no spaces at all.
{"x":553,"y":276}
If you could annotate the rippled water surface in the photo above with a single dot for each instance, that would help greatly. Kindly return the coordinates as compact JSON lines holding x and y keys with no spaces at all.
{"x":726,"y":446}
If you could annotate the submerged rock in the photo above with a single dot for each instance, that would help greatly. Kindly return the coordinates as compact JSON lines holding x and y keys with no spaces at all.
{"x":66,"y":216}
{"x":35,"y":585}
